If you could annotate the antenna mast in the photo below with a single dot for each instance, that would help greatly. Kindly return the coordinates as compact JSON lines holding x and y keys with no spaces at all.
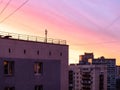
{"x":46,"y":35}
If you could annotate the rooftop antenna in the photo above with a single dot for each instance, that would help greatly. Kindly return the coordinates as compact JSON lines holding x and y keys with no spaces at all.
{"x":46,"y":35}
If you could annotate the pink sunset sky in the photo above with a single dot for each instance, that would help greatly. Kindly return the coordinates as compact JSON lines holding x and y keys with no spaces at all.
{"x":86,"y":25}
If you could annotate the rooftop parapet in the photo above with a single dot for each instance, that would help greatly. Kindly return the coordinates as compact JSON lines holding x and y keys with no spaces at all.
{"x":7,"y":35}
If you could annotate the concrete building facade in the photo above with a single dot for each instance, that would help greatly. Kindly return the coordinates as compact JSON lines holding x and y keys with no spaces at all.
{"x":87,"y":77}
{"x":117,"y":71}
{"x":32,"y":65}
{"x":111,"y":71}
{"x":117,"y":77}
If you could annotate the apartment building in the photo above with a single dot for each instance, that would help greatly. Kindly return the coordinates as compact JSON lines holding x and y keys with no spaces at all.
{"x":111,"y":70}
{"x":32,"y":63}
{"x":87,"y":77}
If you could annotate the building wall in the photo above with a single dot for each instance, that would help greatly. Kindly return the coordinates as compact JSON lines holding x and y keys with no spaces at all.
{"x":24,"y":53}
{"x":118,"y":83}
{"x":117,"y":71}
{"x":111,"y":71}
{"x":100,"y":70}
{"x":93,"y":72}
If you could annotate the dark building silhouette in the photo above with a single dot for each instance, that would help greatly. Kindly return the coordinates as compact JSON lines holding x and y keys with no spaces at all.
{"x":86,"y":58}
{"x":29,"y":63}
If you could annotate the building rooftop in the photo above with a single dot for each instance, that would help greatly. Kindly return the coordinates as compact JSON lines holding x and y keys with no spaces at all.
{"x":7,"y":35}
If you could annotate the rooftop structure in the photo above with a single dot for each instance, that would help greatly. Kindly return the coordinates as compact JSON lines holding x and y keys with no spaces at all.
{"x":8,"y":35}
{"x":86,"y":58}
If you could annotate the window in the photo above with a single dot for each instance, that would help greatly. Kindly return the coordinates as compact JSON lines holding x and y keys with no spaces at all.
{"x":101,"y":82}
{"x":9,"y":50}
{"x":39,"y":87}
{"x":38,"y":52}
{"x":9,"y":88}
{"x":24,"y":51}
{"x":61,"y":54}
{"x":38,"y":67}
{"x":8,"y":67}
{"x":50,"y":53}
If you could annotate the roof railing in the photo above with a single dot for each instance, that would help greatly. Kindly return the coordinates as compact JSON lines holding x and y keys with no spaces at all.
{"x":8,"y":35}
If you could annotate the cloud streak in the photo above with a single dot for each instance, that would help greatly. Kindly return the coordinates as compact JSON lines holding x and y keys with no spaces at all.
{"x":78,"y":21}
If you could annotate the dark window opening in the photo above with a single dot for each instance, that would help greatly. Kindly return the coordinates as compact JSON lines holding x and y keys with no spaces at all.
{"x":61,"y":54}
{"x":8,"y":67}
{"x":71,"y":77}
{"x":50,"y":53}
{"x":38,"y":52}
{"x":9,"y":50}
{"x":39,"y":87}
{"x":9,"y":88}
{"x":101,"y":82}
{"x":38,"y":67}
{"x":24,"y":51}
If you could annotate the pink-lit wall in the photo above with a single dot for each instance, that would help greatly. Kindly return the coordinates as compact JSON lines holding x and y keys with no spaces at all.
{"x":14,"y":49}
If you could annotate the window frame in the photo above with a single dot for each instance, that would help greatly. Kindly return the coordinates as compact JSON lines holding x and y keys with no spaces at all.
{"x":8,"y":68}
{"x":38,"y":68}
